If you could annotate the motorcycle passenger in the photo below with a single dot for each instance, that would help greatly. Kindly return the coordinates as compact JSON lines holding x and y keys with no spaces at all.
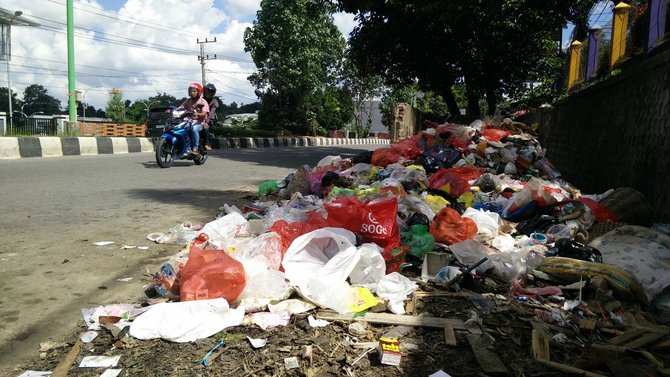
{"x":208,"y":95}
{"x":196,"y":104}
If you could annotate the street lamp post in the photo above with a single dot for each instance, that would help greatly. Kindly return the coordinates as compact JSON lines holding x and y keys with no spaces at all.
{"x":83,"y":102}
{"x":7,"y":18}
{"x":147,"y":106}
{"x":9,"y":85}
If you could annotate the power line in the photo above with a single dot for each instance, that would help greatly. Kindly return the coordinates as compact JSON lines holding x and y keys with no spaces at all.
{"x":139,"y":22}
{"x":129,"y":42}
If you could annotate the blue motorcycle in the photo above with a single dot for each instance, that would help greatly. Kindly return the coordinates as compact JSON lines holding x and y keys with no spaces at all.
{"x":173,"y":143}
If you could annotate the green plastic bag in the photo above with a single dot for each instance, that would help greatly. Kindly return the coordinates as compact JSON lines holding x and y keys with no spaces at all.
{"x":267,"y":187}
{"x":418,"y":240}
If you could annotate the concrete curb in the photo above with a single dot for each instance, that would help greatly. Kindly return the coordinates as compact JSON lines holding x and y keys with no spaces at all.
{"x":50,"y":146}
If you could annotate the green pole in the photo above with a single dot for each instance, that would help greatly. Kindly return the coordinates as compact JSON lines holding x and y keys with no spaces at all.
{"x":72,"y":100}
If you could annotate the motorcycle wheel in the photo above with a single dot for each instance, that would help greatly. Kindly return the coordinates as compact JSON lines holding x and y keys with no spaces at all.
{"x":165,"y":153}
{"x":200,"y":159}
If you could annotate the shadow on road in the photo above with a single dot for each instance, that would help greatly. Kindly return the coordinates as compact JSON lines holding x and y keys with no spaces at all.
{"x":207,"y":201}
{"x":285,"y":157}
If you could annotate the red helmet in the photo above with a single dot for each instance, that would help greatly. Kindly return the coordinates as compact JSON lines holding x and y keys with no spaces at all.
{"x":197,"y":86}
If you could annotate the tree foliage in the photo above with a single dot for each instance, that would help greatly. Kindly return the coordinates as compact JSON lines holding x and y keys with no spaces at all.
{"x":492,"y":47}
{"x":4,"y":104}
{"x":297,"y":50}
{"x":37,"y":98}
{"x":116,"y":108}
{"x":364,"y":88}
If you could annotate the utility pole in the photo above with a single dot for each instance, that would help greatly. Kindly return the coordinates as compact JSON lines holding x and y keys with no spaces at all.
{"x":204,"y":57}
{"x":71,"y":95}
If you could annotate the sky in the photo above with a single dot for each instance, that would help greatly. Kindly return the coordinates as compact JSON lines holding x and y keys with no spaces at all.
{"x":142,"y":47}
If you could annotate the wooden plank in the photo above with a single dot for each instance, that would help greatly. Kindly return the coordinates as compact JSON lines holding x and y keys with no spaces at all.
{"x":449,"y":335}
{"x":487,"y":359}
{"x":423,"y":294}
{"x":392,"y":319}
{"x":643,"y":340}
{"x":568,"y":369}
{"x":64,"y":366}
{"x":540,"y":346}
{"x":625,"y":337}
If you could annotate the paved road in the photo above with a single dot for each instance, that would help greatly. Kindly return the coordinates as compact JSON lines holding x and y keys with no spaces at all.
{"x":54,"y":209}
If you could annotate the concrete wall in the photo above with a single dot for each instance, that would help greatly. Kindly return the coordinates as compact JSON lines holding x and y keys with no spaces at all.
{"x":616,"y":133}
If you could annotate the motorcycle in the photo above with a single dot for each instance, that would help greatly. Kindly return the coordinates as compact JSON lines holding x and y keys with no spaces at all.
{"x":173,"y":143}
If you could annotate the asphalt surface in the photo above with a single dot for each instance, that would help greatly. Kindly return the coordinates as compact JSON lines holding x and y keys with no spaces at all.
{"x":55,"y":209}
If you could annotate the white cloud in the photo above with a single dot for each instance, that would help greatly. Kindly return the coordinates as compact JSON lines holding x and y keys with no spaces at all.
{"x":242,"y":9}
{"x":39,"y":55}
{"x":147,"y":47}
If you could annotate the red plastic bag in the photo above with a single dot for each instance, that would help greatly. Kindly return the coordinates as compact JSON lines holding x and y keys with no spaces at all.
{"x":394,"y":258}
{"x":375,"y":220}
{"x":449,"y":227}
{"x":456,"y":178}
{"x":385,"y":156}
{"x":602,"y":213}
{"x":290,"y":231}
{"x":494,"y":134}
{"x":409,"y":148}
{"x":211,"y":274}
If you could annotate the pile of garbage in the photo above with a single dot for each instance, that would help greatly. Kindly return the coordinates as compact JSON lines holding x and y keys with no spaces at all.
{"x":471,"y":211}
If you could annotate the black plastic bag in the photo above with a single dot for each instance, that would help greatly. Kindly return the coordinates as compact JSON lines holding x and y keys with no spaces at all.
{"x":568,"y":248}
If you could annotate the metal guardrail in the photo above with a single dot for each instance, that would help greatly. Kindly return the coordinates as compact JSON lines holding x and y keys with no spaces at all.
{"x":33,"y":126}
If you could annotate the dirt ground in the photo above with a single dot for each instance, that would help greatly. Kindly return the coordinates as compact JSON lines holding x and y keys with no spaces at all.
{"x":506,"y":323}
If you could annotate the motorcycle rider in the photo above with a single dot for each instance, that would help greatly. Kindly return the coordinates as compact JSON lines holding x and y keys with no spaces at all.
{"x":208,"y":95}
{"x":196,"y":104}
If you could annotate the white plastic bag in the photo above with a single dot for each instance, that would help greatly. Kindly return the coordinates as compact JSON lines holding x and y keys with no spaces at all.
{"x":186,"y":321}
{"x":318,"y":264}
{"x":487,"y":222}
{"x":223,"y":231}
{"x":395,"y":288}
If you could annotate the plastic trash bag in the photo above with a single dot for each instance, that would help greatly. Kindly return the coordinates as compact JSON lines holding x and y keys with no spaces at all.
{"x":449,"y":227}
{"x":185,"y":321}
{"x":395,"y":288}
{"x":267,"y":187}
{"x":223,"y":231}
{"x":455,"y":181}
{"x":418,"y":240}
{"x":374,"y":220}
{"x":318,"y":264}
{"x":211,"y":274}
{"x":487,"y":222}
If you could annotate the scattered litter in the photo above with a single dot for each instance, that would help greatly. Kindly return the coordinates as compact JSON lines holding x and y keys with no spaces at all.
{"x":266,"y":320}
{"x":103,"y":243}
{"x":99,"y":361}
{"x":124,"y":247}
{"x":51,"y":345}
{"x":124,"y":279}
{"x":317,"y":322}
{"x":34,"y":373}
{"x":291,"y":362}
{"x":111,"y":373}
{"x":440,"y":373}
{"x":88,"y":336}
{"x":257,"y":343}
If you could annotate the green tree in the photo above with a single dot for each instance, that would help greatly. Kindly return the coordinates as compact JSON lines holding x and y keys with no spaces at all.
{"x":332,"y":108}
{"x":4,"y":104}
{"x":365,"y":88}
{"x":493,"y":48}
{"x":36,"y":98}
{"x":116,"y":108}
{"x":297,"y":50}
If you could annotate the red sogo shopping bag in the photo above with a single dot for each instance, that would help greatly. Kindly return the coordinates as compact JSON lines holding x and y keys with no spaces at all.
{"x":374,"y":220}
